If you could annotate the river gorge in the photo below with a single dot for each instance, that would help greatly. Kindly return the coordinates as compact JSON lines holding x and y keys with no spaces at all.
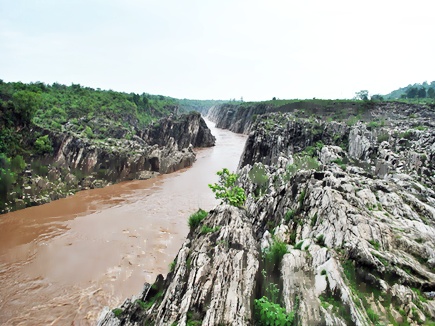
{"x":62,"y":262}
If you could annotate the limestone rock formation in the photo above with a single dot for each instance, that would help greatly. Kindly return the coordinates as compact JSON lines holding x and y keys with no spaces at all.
{"x":82,"y":163}
{"x":353,"y":206}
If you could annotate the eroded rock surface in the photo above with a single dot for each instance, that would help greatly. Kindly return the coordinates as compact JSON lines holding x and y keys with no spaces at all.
{"x":354,"y":205}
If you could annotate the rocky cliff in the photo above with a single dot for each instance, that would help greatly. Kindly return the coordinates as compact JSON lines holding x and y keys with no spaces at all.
{"x":79,"y":163}
{"x":338,"y":229}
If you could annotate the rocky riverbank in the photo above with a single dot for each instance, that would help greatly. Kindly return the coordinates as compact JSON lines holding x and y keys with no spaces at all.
{"x":78,"y":162}
{"x":338,"y":229}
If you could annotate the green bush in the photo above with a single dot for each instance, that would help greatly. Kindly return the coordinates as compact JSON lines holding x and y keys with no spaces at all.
{"x":196,"y":218}
{"x":43,"y":145}
{"x":88,"y":132}
{"x":18,"y":164}
{"x":372,"y":315}
{"x":117,"y":312}
{"x":226,"y":189}
{"x":258,"y":176}
{"x":320,"y":240}
{"x":274,"y":254}
{"x":269,"y":313}
{"x":289,"y":215}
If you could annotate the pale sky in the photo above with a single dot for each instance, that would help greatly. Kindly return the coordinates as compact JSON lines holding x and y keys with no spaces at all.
{"x":207,"y":49}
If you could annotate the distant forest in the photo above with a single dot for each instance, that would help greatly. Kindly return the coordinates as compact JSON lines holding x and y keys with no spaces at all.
{"x":416,"y":91}
{"x":59,"y":107}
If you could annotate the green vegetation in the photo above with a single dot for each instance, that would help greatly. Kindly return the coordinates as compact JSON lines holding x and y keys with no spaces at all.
{"x":304,"y":162}
{"x":259,"y":177}
{"x":172,"y":266}
{"x":196,"y":218}
{"x":320,"y":240}
{"x":424,"y":92}
{"x":269,"y":313}
{"x":193,"y":319}
{"x":375,"y":244}
{"x":299,"y":245}
{"x":43,"y":145}
{"x":117,"y":312}
{"x":274,"y":254}
{"x":313,"y":220}
{"x":206,"y":229}
{"x":289,"y":215}
{"x":226,"y":189}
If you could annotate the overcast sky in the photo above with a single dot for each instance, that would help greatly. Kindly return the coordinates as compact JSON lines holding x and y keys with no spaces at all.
{"x":207,"y":49}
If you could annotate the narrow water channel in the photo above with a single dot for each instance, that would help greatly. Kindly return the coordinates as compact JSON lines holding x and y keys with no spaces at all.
{"x":62,"y":262}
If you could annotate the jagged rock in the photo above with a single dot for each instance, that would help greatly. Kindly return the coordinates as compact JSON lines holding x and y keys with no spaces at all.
{"x":87,"y":164}
{"x":359,"y":234}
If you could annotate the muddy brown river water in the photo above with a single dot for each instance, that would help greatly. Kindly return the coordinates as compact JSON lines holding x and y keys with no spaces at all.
{"x":62,"y":262}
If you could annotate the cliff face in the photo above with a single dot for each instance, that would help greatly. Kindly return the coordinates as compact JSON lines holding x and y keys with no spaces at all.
{"x":236,"y":118}
{"x":338,"y":227}
{"x":81,"y":163}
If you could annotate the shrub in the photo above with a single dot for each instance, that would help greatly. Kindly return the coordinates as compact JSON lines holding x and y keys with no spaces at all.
{"x":299,"y":245}
{"x":43,"y":145}
{"x":18,"y":164}
{"x":226,"y":189}
{"x":117,"y":312}
{"x":88,"y":132}
{"x":289,"y":215}
{"x":196,"y":218}
{"x":172,"y":266}
{"x":259,"y":177}
{"x":269,"y":313}
{"x":320,"y":240}
{"x":372,"y":315}
{"x":275,"y":252}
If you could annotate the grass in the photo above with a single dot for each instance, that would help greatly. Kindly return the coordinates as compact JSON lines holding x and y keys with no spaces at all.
{"x":313,"y":220}
{"x":375,"y":244}
{"x":172,"y":266}
{"x":299,"y":245}
{"x":321,"y":240}
{"x":196,"y":218}
{"x":289,"y":215}
{"x":206,"y":229}
{"x":274,"y":254}
{"x":372,"y":315}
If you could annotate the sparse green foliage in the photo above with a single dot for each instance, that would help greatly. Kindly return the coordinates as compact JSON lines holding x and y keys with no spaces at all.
{"x":375,"y":244}
{"x":313,"y":220}
{"x":172,"y":266}
{"x":302,"y":163}
{"x":269,"y":313}
{"x":259,"y":177}
{"x":226,"y":189}
{"x":117,"y":312}
{"x":372,"y":315}
{"x":299,"y":245}
{"x":196,"y":218}
{"x":289,"y":215}
{"x":320,"y":240}
{"x":206,"y":229}
{"x":274,"y":254}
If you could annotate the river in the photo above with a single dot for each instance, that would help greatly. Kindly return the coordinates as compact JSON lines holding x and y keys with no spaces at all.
{"x":62,"y":262}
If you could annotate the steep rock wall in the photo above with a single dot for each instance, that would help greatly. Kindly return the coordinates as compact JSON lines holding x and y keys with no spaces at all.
{"x":360,"y":246}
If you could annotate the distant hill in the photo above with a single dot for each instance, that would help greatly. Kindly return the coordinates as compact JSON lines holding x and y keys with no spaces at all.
{"x":424,"y":90}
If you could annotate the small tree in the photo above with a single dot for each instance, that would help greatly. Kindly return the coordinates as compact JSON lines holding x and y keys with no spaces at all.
{"x":362,"y":95}
{"x":226,"y":189}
